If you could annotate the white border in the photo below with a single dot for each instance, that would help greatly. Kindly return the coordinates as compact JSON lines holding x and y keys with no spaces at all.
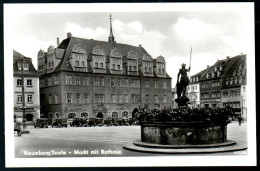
{"x":9,"y":9}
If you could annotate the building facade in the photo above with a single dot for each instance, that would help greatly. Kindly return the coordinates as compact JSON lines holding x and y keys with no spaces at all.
{"x":23,"y":68}
{"x":193,"y":90}
{"x":222,"y":84}
{"x":90,"y":78}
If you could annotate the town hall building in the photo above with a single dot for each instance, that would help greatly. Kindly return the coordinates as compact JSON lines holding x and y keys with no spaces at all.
{"x":100,"y":79}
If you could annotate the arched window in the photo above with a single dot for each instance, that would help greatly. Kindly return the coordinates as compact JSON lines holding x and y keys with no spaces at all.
{"x":125,"y":114}
{"x":84,"y":115}
{"x":114,"y":114}
{"x":71,"y":115}
{"x":57,"y":115}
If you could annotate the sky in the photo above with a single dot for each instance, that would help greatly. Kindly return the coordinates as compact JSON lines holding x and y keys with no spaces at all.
{"x":212,"y":34}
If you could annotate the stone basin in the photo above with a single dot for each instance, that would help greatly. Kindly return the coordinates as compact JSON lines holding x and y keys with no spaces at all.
{"x":184,"y":133}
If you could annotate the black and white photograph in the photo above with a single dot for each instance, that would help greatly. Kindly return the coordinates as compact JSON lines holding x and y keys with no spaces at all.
{"x":137,"y":84}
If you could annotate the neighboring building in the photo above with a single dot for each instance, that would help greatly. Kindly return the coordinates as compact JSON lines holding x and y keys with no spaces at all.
{"x":23,"y":66}
{"x":193,"y":90}
{"x":90,"y":78}
{"x":221,"y":84}
{"x":234,"y":85}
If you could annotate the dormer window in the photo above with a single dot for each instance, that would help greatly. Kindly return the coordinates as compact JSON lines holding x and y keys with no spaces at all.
{"x":77,"y":63}
{"x":25,"y":66}
{"x":231,"y":81}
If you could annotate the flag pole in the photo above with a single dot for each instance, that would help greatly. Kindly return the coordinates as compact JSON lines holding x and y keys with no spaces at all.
{"x":190,"y":60}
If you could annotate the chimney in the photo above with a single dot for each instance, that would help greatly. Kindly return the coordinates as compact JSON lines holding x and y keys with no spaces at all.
{"x":207,"y":66}
{"x":69,"y":35}
{"x":242,"y":54}
{"x":227,"y":57}
{"x":140,"y":45}
{"x":58,"y":41}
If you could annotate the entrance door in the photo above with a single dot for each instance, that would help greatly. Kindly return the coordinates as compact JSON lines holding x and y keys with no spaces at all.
{"x":100,"y":115}
{"x":29,"y":117}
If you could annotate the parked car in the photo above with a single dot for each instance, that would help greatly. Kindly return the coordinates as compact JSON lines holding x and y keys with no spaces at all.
{"x":62,"y":122}
{"x":78,"y":122}
{"x":92,"y":122}
{"x":95,"y":122}
{"x":70,"y":120}
{"x":17,"y":129}
{"x":108,"y":122}
{"x":43,"y":122}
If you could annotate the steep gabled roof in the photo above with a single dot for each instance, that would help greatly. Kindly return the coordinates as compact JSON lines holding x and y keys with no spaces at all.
{"x":17,"y":57}
{"x":90,"y":44}
{"x":238,"y":60}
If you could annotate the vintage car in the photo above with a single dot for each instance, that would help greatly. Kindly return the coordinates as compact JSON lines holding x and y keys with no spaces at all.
{"x":95,"y":122}
{"x":78,"y":122}
{"x":62,"y":122}
{"x":108,"y":122}
{"x":41,"y":123}
{"x":17,"y":129}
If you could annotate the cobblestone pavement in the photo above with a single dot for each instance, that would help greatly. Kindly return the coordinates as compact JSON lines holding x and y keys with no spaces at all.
{"x":97,"y":141}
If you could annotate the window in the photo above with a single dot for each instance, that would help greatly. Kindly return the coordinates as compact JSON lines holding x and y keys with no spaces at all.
{"x":49,"y":81}
{"x":244,"y":89}
{"x":19,"y":99}
{"x":125,"y":114}
{"x":118,"y":67}
{"x":101,"y":81}
{"x":225,"y":94}
{"x":19,"y":82}
{"x":134,"y":68}
{"x":77,"y":63}
{"x":99,"y":98}
{"x":120,"y":98}
{"x":136,"y":83}
{"x":86,"y":81}
{"x":56,"y":98}
{"x":156,"y":99}
{"x":25,"y":66}
{"x":86,"y":98}
{"x":113,"y":98}
{"x":56,"y":82}
{"x":126,"y":98}
{"x":50,"y":99}
{"x":164,"y":85}
{"x":114,"y":66}
{"x":19,"y":66}
{"x":135,"y":98}
{"x":96,"y":65}
{"x":147,"y":98}
{"x":112,"y":81}
{"x":77,"y":80}
{"x":96,"y":81}
{"x":82,"y":63}
{"x":101,"y":65}
{"x":126,"y":82}
{"x":119,"y":81}
{"x":71,"y":115}
{"x":69,"y":97}
{"x":29,"y":82}
{"x":147,"y":84}
{"x":29,"y":98}
{"x":155,"y":84}
{"x":68,"y":79}
{"x":130,"y":68}
{"x":77,"y":97}
{"x":164,"y":99}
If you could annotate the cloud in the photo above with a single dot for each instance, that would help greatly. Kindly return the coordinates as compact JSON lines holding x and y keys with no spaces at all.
{"x":132,"y":33}
{"x":98,"y":33}
{"x":29,"y":46}
{"x":194,"y":29}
